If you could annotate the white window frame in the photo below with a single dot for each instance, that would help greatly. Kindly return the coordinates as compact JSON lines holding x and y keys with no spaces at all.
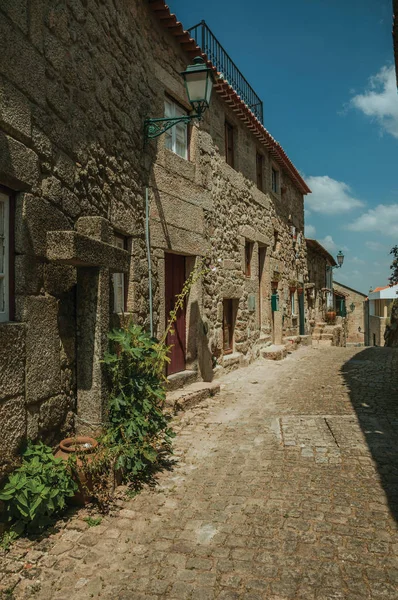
{"x":177,"y":133}
{"x":118,"y":279}
{"x":293,"y":303}
{"x":5,"y":248}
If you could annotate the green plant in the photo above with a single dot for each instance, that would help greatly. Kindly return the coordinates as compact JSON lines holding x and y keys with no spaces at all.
{"x":137,"y":431}
{"x":137,"y":427}
{"x":37,"y":489}
{"x":93,"y":521}
{"x":7,"y":538}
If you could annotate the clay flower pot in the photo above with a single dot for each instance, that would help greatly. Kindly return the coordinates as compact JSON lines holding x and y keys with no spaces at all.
{"x":330,"y":317}
{"x":79,"y":445}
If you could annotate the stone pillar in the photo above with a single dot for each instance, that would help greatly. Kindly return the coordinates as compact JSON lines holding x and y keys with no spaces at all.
{"x":93,"y":320}
{"x":278,"y":333}
{"x":91,"y":250}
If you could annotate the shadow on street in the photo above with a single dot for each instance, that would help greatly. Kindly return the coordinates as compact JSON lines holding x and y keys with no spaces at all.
{"x":372,"y":380}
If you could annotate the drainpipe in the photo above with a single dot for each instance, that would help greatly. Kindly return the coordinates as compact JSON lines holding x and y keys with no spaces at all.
{"x":148,"y":249}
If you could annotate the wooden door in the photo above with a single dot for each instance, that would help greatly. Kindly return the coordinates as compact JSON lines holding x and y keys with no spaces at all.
{"x":228,"y":327}
{"x":175,"y":278}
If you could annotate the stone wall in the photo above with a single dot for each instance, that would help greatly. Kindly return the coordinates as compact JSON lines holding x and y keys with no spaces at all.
{"x":77,"y":80}
{"x":72,"y":103}
{"x":316,"y":295}
{"x":355,"y":319}
{"x":377,"y":327}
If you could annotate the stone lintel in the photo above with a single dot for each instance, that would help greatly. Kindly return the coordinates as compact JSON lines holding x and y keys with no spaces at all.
{"x":249,"y":233}
{"x":73,"y":248}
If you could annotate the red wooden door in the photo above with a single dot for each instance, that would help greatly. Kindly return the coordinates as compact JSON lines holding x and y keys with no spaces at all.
{"x":175,"y":278}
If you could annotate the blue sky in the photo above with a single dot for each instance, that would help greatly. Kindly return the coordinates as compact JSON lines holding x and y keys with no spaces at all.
{"x":325,"y":72}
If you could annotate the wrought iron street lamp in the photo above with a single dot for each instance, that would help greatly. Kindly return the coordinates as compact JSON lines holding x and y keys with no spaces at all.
{"x":352,"y":307}
{"x":340,"y":261}
{"x":199,"y":81}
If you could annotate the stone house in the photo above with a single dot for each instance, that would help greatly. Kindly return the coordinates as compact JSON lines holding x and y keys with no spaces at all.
{"x":378,"y":313}
{"x":319,"y":288}
{"x":351,"y":304}
{"x":77,"y":81}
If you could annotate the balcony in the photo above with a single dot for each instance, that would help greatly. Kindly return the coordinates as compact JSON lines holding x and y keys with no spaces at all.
{"x":214,"y":51}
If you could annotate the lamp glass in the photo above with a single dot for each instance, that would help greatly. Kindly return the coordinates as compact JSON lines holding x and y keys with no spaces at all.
{"x":340,"y":258}
{"x":198,"y":88}
{"x":198,"y":82}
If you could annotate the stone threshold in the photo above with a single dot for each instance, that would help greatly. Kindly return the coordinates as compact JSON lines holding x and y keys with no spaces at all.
{"x":191,"y":395}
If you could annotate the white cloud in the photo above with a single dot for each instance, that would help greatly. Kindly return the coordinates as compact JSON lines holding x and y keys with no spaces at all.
{"x":356,"y":260}
{"x":310,"y":231}
{"x":329,"y":196}
{"x":380,"y":101}
{"x":382,"y":219}
{"x":330,"y":245}
{"x":375,"y":246}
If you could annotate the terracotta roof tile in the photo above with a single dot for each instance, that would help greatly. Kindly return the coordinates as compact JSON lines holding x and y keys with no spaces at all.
{"x":222,"y":87}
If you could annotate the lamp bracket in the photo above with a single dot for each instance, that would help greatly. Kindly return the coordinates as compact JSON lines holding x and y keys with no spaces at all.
{"x":153,"y":128}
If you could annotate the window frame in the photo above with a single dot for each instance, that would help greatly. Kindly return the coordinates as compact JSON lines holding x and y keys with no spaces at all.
{"x":229,"y":134}
{"x":9,"y":255}
{"x":228,"y":326}
{"x":119,"y":237}
{"x":293,"y":303}
{"x":177,"y":111}
{"x":277,"y":187}
{"x":260,"y":171}
{"x":249,"y":246}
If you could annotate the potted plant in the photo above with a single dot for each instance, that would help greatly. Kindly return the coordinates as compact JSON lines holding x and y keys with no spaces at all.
{"x":330,"y":317}
{"x":80,"y":450}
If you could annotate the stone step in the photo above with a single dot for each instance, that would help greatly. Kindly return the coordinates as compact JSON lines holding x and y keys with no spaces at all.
{"x":305,"y":340}
{"x":181,"y":379}
{"x":321,"y":343}
{"x":274,"y":352}
{"x":191,"y":395}
{"x":322,"y":336}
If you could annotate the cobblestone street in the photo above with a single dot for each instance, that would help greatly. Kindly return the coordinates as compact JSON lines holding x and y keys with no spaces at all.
{"x":285,"y":487}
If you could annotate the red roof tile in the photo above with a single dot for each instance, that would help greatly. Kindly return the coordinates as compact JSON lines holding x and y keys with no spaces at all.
{"x":169,"y":21}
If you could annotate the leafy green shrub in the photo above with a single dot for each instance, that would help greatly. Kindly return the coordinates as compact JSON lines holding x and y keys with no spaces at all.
{"x":137,"y":429}
{"x":37,"y":489}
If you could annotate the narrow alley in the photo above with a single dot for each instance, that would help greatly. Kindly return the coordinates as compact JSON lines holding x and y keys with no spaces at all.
{"x":285,"y":486}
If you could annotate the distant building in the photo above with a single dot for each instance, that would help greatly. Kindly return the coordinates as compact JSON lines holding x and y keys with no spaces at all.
{"x":320,"y":285}
{"x":378,"y":313}
{"x":351,"y":304}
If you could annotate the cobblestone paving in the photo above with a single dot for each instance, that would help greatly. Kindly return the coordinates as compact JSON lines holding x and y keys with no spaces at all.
{"x":285,"y":487}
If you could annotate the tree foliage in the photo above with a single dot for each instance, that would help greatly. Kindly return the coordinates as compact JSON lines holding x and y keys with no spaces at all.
{"x":394,"y":266}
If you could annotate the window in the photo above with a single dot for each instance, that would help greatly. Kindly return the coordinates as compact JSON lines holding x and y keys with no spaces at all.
{"x":275,"y":181}
{"x":119,"y":280}
{"x":248,"y":258}
{"x":260,"y":171}
{"x":229,"y":144}
{"x":292,"y":304}
{"x":6,"y":258}
{"x":176,"y":138}
{"x":228,"y":326}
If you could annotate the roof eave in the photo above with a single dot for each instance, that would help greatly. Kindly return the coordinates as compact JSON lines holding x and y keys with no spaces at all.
{"x":222,"y":87}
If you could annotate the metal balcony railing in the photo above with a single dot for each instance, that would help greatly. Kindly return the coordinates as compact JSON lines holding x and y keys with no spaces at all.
{"x":225,"y":65}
